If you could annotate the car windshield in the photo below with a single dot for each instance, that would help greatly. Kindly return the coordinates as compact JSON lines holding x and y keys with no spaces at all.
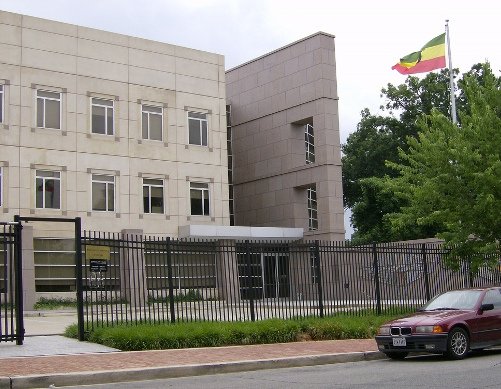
{"x":457,"y":299}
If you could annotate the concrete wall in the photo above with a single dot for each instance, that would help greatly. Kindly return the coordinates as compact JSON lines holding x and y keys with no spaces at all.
{"x":81,"y":63}
{"x":272,"y":98}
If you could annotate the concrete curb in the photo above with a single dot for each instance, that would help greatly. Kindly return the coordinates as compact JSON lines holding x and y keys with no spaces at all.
{"x":104,"y":377}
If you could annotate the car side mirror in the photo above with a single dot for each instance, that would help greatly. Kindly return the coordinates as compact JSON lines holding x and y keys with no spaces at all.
{"x":486,"y":307}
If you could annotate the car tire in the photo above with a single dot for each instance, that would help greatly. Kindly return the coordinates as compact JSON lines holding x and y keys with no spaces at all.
{"x":397,"y":355}
{"x":458,"y":343}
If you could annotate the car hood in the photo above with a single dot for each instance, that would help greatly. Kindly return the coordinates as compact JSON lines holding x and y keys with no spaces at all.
{"x":429,"y":318}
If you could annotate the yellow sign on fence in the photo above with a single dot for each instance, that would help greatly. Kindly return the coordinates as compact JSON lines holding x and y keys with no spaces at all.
{"x":97,"y":252}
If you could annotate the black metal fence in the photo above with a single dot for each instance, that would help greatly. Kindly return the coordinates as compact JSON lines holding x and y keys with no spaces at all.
{"x":11,"y":298}
{"x":138,"y":279}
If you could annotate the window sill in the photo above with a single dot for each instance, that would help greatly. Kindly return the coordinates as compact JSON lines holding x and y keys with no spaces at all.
{"x":152,"y":142}
{"x":108,"y":214}
{"x":110,"y":138}
{"x":49,"y":131}
{"x":48,"y":211}
{"x":198,"y":147}
{"x":154,"y":216}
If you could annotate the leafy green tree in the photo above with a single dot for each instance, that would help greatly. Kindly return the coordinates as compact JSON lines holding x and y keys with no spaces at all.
{"x":450,"y":175}
{"x":377,"y":139}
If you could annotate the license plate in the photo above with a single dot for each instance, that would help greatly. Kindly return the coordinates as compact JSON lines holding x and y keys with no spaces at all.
{"x":399,"y":342}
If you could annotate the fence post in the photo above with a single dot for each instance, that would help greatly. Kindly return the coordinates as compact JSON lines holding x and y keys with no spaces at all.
{"x":169,"y":277}
{"x":18,"y":270}
{"x":250,"y":279}
{"x":319,"y":279}
{"x":376,"y":278}
{"x":425,"y":271}
{"x":79,"y":264}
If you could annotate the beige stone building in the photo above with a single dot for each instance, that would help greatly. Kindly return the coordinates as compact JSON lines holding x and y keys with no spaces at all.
{"x":285,"y":139}
{"x":132,"y":134}
{"x":120,"y":131}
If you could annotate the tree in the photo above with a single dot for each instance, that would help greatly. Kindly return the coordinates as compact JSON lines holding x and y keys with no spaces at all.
{"x":377,"y":139}
{"x":450,"y":175}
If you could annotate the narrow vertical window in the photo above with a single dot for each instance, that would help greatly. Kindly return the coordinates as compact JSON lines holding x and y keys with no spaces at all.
{"x":199,"y":198}
{"x":1,"y":185}
{"x":102,"y":116}
{"x":309,"y":143}
{"x":153,"y":196}
{"x":152,"y":122}
{"x":197,"y":123}
{"x":103,"y":193}
{"x":312,"y":208}
{"x":1,"y":104}
{"x":48,"y":109}
{"x":229,"y":148}
{"x":48,"y":189}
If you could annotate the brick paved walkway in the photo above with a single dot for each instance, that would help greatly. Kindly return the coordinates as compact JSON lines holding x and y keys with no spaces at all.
{"x":22,"y":366}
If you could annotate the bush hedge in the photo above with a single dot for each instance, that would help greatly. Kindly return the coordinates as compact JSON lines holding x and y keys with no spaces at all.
{"x":211,"y":334}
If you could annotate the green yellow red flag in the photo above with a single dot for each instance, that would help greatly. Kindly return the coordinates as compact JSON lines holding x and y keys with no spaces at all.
{"x":430,"y":57}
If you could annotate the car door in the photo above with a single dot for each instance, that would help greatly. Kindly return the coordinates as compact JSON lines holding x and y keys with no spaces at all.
{"x":488,"y":323}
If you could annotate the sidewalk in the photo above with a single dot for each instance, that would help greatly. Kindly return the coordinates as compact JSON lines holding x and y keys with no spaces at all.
{"x":87,"y":363}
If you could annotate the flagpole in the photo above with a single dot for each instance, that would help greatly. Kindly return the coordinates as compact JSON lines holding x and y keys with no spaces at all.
{"x":451,"y":75}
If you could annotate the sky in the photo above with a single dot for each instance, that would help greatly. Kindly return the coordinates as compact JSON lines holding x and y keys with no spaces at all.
{"x":371,"y":35}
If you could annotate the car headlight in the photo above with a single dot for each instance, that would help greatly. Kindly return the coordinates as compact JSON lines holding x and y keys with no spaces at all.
{"x":384,"y":330}
{"x":429,"y":329}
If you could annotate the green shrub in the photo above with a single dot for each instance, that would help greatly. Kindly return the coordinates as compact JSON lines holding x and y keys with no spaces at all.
{"x":54,"y":303}
{"x":190,"y":296}
{"x":130,"y":337}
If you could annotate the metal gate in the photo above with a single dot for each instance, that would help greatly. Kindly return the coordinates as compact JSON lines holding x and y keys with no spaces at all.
{"x":11,"y":284}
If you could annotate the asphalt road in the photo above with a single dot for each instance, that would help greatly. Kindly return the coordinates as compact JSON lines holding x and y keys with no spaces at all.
{"x":482,"y":370}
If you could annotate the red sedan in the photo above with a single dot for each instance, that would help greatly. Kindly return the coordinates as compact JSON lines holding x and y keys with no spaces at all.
{"x":452,"y":323}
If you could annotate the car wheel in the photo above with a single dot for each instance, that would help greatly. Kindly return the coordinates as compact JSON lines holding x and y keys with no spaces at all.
{"x":397,"y":355}
{"x":458,"y":343}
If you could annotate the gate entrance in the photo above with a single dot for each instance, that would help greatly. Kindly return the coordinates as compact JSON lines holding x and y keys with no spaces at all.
{"x":275,"y":275}
{"x":11,"y":284}
{"x":17,"y":275}
{"x":264,"y":272}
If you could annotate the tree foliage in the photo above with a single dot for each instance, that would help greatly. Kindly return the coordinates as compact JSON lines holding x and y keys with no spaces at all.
{"x":378,"y":139}
{"x":450,"y":175}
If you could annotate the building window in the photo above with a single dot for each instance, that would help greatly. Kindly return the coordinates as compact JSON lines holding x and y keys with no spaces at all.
{"x":197,"y":123}
{"x":1,"y":104}
{"x":153,"y":196}
{"x":152,"y":122}
{"x":48,"y":189}
{"x":1,"y":185}
{"x":102,"y":116}
{"x":309,"y":143}
{"x":312,"y":208}
{"x":199,"y":198}
{"x":103,"y":193}
{"x":48,"y":109}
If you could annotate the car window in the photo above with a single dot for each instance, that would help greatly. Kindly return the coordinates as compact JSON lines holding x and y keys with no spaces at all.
{"x":457,"y":299}
{"x":493,"y":296}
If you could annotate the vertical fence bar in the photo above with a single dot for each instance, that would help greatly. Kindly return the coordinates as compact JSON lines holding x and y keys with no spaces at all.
{"x":470,"y":274}
{"x":169,"y":278}
{"x":250,"y":288}
{"x":425,"y":271}
{"x":319,"y":281}
{"x":376,"y":278}
{"x":78,"y":260}
{"x":19,"y":281}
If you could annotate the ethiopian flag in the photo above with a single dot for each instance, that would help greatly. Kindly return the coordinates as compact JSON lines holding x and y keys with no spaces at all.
{"x":430,"y":57}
